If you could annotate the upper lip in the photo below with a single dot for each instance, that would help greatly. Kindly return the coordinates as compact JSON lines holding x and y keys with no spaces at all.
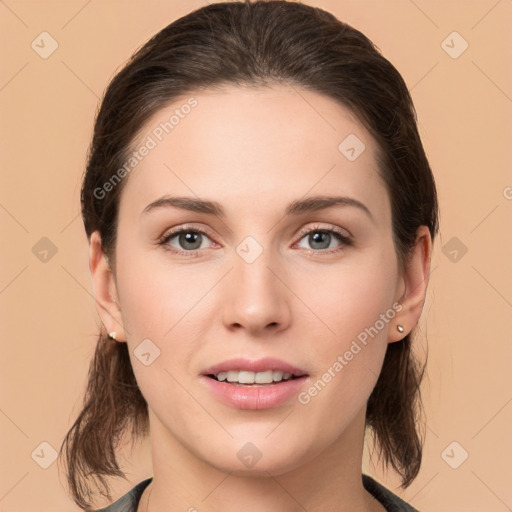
{"x":257,"y":365}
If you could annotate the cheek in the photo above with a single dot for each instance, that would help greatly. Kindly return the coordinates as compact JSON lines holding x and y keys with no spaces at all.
{"x":354,"y":311}
{"x":155,"y":297}
{"x":351,"y":299}
{"x":158,"y":305}
{"x":167,"y":306}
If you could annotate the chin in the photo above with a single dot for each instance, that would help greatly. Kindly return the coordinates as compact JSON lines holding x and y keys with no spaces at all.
{"x":257,"y":458}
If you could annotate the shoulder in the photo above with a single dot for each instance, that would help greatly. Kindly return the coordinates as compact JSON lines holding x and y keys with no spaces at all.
{"x":390,"y":501}
{"x":130,"y":501}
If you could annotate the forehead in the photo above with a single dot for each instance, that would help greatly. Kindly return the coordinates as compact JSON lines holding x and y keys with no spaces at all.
{"x":254,"y":146}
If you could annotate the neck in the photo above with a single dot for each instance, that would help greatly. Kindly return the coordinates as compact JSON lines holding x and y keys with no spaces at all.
{"x":327,"y":481}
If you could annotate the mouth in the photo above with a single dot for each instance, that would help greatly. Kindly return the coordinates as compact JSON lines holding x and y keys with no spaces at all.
{"x":253,"y":379}
{"x":260,"y":372}
{"x":254,"y":384}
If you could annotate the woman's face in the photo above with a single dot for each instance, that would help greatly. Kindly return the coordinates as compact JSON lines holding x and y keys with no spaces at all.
{"x":266,"y":279}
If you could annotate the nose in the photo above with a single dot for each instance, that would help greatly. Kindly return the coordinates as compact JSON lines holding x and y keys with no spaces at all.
{"x":256,"y":296}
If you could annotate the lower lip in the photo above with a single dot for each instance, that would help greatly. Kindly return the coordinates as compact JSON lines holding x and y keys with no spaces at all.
{"x":255,"y":397}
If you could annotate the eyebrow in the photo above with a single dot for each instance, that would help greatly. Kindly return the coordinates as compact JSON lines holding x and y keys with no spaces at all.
{"x":297,"y":207}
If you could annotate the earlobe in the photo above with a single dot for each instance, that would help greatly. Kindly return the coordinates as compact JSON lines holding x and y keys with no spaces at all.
{"x":415,"y":281}
{"x":105,"y":291}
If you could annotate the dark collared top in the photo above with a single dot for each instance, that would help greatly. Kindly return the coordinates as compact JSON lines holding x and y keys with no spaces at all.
{"x":390,"y":501}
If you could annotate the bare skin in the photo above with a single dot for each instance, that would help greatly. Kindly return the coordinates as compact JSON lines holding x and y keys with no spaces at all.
{"x":254,"y":151}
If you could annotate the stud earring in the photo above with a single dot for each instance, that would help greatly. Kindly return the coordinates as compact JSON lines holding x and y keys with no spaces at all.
{"x":112,"y":335}
{"x":398,"y":327}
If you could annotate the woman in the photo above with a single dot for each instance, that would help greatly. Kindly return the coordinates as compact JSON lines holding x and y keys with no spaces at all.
{"x":260,"y":213}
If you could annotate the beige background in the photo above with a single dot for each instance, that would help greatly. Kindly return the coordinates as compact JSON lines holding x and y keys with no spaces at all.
{"x":48,"y":317}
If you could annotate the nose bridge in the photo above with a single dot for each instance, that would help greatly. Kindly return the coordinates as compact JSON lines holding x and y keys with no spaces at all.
{"x":257,"y":297}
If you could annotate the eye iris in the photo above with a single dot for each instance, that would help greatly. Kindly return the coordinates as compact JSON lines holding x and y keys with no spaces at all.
{"x":187,"y":237}
{"x":317,"y":237}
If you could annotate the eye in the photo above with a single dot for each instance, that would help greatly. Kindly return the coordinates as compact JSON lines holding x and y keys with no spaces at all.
{"x":321,"y":239}
{"x":189,"y":241}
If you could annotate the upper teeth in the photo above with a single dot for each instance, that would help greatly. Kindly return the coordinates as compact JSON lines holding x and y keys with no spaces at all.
{"x":245,"y":377}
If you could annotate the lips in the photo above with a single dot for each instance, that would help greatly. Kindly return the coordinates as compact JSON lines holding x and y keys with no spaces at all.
{"x":254,"y":396}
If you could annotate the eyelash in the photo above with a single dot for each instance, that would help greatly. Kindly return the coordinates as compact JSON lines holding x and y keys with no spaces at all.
{"x":344,"y":239}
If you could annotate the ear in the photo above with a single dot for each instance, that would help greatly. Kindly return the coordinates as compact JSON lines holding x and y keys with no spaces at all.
{"x":105,"y":289}
{"x":414,"y":285}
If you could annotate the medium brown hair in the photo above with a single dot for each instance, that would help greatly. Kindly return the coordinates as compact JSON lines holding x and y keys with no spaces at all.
{"x":258,"y":44}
